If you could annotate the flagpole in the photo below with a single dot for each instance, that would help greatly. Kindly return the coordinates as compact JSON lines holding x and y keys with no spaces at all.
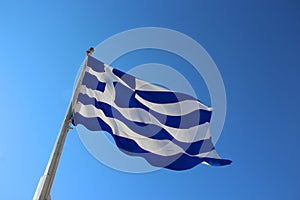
{"x":44,"y":186}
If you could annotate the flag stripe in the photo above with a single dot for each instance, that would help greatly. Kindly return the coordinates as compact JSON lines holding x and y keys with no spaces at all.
{"x":179,"y":161}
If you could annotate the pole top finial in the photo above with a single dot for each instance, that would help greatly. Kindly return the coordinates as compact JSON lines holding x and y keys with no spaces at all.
{"x":90,"y":51}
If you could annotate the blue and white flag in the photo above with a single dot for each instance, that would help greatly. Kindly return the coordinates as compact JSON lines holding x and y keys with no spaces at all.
{"x":169,"y":129}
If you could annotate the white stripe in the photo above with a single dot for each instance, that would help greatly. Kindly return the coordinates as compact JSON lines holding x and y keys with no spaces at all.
{"x":210,"y":154}
{"x":145,"y":86}
{"x":192,"y":134}
{"x":174,"y":109}
{"x":159,"y":147}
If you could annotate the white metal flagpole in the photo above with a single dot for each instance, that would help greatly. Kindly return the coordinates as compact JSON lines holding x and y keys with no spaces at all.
{"x":44,"y":187}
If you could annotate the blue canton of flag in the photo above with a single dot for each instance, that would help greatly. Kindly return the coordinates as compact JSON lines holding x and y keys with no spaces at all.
{"x":169,"y":129}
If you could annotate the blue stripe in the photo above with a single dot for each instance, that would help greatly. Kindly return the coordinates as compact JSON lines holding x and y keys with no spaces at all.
{"x":179,"y":161}
{"x":95,"y":64}
{"x":130,"y":147}
{"x":162,"y":97}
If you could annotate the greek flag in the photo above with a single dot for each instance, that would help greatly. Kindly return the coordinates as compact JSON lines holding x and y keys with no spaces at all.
{"x":169,"y":129}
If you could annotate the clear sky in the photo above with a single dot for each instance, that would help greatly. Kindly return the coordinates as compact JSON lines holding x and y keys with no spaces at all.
{"x":255,"y":44}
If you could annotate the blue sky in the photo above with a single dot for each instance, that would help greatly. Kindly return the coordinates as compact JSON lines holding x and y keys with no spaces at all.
{"x":255,"y":44}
